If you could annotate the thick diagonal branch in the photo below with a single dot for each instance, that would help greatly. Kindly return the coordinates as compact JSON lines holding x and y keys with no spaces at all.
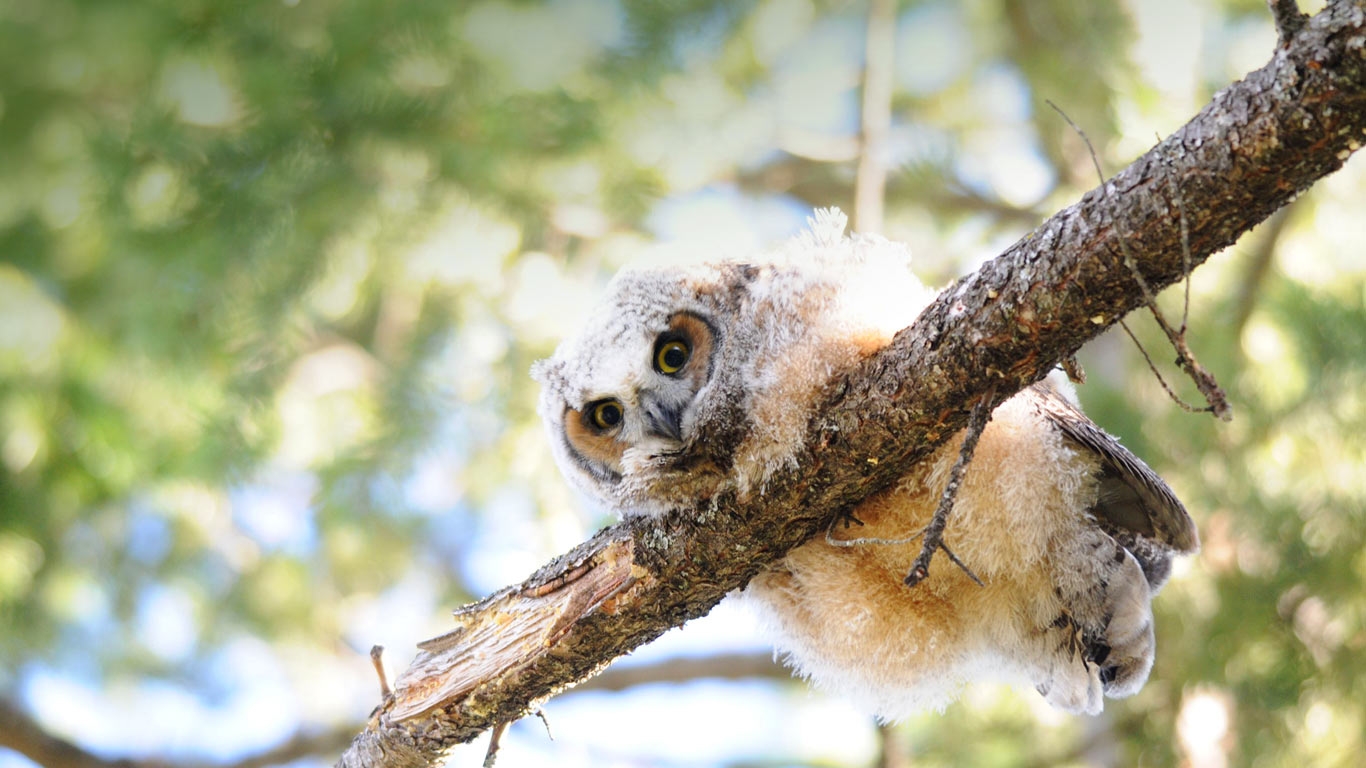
{"x":1253,"y":148}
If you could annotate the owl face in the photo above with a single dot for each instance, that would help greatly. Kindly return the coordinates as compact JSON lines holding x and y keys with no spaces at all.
{"x":652,"y":409}
{"x":690,"y":380}
{"x":624,"y":399}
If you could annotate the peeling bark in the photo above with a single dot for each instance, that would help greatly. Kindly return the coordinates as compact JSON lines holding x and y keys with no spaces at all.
{"x":1257,"y":145}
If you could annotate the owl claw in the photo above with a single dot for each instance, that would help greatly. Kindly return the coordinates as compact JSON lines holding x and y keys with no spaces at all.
{"x":1098,"y":652}
{"x":1078,"y":694}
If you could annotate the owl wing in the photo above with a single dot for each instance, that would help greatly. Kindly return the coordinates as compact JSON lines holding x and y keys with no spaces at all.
{"x":1134,"y":505}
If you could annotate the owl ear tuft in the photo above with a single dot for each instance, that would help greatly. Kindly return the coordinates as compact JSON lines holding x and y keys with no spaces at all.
{"x":545,"y":372}
{"x":826,"y":226}
{"x":538,"y":370}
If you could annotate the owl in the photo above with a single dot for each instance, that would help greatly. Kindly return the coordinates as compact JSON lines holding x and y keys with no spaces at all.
{"x":690,"y":381}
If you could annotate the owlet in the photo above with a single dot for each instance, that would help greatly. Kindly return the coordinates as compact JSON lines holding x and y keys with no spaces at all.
{"x":1071,"y":534}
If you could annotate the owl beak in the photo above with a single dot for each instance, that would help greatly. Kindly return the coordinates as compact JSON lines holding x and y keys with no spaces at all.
{"x":662,"y":420}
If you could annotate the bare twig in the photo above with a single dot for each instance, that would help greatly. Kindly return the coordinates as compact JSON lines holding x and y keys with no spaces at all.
{"x":495,"y":739}
{"x":1185,"y":358}
{"x":1185,"y":247}
{"x":1288,"y":19}
{"x":958,"y":562}
{"x":866,"y":540}
{"x":1185,"y":406}
{"x":540,"y":715}
{"x":934,"y":532}
{"x":1148,"y":298}
{"x":1208,"y":385}
{"x":377,"y":659}
{"x":1204,"y":380}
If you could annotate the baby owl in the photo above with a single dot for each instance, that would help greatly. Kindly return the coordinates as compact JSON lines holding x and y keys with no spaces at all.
{"x":1070,"y":533}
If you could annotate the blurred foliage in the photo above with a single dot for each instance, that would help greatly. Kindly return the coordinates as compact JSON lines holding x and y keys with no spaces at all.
{"x":272,"y":275}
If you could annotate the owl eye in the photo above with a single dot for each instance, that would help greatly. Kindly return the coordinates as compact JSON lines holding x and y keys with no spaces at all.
{"x":606,"y":414}
{"x":671,"y":356}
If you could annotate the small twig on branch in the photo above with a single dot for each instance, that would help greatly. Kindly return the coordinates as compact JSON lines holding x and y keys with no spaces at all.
{"x":956,"y":561}
{"x":1185,"y":406}
{"x":1209,"y":386}
{"x":495,"y":736}
{"x":934,"y":532}
{"x":1185,"y":247}
{"x":377,"y":659}
{"x":863,"y":540}
{"x":540,"y":715}
{"x":1288,"y":19}
{"x":1149,"y":299}
{"x":1185,"y":358}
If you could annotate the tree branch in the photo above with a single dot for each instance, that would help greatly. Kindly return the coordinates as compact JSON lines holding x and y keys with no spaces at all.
{"x":1263,"y":253}
{"x":1252,"y":149}
{"x":734,"y":666}
{"x":878,"y":61}
{"x":822,"y":182}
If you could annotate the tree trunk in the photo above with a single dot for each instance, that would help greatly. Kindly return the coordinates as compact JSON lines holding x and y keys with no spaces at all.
{"x":1250,"y":151}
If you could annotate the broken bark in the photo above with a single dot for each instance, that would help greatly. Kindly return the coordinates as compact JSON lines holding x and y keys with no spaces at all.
{"x":1252,"y":149}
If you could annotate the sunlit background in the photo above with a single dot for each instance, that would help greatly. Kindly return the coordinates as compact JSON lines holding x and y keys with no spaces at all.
{"x":272,"y":275}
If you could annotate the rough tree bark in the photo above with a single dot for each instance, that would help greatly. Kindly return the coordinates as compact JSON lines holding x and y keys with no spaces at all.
{"x":1252,"y":149}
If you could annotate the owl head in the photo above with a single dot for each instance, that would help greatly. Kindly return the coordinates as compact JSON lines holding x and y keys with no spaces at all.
{"x":687,"y":381}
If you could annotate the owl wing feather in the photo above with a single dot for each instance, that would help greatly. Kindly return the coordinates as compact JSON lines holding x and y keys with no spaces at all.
{"x":1134,"y":505}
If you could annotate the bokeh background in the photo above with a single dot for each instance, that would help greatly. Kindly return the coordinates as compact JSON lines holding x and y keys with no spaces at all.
{"x":272,"y":274}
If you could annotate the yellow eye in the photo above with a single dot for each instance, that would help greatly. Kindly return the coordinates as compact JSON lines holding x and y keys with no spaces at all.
{"x":671,"y":356}
{"x":606,"y":414}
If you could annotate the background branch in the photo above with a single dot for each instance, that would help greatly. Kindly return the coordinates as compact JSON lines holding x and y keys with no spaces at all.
{"x":1258,"y":266}
{"x":26,"y":736}
{"x":879,"y":58}
{"x":733,"y":666}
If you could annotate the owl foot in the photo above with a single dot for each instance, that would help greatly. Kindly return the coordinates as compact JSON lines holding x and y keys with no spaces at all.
{"x":1102,"y":642}
{"x":1125,"y":648}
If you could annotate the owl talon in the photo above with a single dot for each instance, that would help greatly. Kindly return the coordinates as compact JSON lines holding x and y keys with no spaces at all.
{"x":1099,"y":652}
